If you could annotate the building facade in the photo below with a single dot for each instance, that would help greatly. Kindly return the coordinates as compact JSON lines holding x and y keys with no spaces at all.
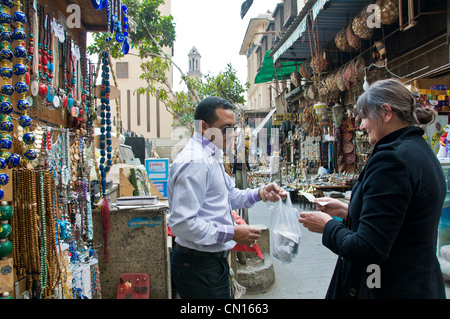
{"x":142,"y":115}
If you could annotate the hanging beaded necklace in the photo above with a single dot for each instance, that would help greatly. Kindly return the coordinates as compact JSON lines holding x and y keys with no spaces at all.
{"x":105,"y":121}
{"x":6,"y":90}
{"x":21,"y":86}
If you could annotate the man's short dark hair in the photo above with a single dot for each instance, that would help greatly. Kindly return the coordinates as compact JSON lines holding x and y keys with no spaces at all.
{"x":206,"y":109}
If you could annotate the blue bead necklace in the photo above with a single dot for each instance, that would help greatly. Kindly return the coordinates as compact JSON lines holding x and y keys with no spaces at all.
{"x":105,"y":121}
{"x":21,"y":86}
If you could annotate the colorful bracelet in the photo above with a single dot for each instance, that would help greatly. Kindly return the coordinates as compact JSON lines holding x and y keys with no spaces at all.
{"x":261,"y":193}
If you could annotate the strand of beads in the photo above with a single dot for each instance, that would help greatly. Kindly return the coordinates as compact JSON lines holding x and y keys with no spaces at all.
{"x":43,"y":247}
{"x":6,"y":127}
{"x":21,"y":87}
{"x":105,"y":121}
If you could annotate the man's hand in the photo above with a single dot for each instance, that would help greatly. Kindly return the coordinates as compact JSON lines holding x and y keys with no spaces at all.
{"x":273,"y":192}
{"x":246,"y":235}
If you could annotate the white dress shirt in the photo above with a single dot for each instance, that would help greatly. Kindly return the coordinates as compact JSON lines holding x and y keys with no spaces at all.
{"x":201,"y":196}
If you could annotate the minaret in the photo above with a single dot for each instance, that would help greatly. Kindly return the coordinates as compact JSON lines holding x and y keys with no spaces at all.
{"x":194,"y":64}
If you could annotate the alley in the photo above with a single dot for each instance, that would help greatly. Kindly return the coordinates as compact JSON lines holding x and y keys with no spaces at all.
{"x":308,"y":276}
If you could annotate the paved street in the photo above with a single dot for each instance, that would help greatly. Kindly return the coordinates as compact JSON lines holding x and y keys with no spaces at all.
{"x":308,"y":276}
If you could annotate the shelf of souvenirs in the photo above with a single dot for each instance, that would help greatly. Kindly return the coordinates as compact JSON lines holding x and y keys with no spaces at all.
{"x":294,"y":179}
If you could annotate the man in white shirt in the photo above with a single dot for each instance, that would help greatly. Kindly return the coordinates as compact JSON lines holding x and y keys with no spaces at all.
{"x":201,"y":196}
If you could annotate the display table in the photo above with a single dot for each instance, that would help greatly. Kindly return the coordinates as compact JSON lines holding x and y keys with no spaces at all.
{"x":137,"y":243}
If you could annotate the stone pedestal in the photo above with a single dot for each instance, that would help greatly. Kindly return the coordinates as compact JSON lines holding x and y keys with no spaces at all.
{"x":137,"y":243}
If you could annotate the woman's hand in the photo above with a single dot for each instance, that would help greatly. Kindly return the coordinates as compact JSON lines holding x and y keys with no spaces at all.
{"x":314,"y":221}
{"x":332,"y":207}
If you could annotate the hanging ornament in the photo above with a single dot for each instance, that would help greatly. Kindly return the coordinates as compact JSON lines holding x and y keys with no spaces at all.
{"x":21,"y":86}
{"x":338,"y":112}
{"x":105,"y":146}
{"x":6,"y":126}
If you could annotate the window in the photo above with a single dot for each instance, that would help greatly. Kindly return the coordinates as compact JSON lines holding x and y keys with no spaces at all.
{"x":122,"y":70}
{"x":138,"y":108}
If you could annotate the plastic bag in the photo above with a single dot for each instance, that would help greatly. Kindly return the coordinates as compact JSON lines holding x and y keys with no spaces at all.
{"x":285,"y":230}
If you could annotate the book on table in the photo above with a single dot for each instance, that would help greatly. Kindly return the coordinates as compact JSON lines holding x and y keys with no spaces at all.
{"x":136,"y":200}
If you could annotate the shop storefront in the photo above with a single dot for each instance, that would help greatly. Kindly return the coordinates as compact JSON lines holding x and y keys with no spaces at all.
{"x":342,"y":47}
{"x":59,"y":154}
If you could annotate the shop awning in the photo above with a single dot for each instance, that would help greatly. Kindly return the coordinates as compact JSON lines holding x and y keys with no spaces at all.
{"x":269,"y":72}
{"x":330,"y":15}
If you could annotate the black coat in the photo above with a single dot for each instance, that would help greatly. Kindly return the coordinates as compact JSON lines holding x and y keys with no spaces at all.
{"x":392,"y":222}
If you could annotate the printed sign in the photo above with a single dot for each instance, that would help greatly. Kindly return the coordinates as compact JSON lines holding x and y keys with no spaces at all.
{"x":157,"y":168}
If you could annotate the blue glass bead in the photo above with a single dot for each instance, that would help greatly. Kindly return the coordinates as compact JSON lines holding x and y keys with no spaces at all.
{"x":21,"y":87}
{"x":97,"y":4}
{"x":19,"y":69}
{"x":6,"y":72}
{"x":4,"y":179}
{"x":23,"y":105}
{"x":5,"y":18}
{"x":2,"y":163}
{"x":7,"y":3}
{"x":6,"y":126}
{"x":124,"y":9}
{"x":6,"y":107}
{"x":125,"y":47}
{"x":30,"y":155}
{"x":6,"y":55}
{"x":19,"y":17}
{"x":50,"y":96}
{"x":7,"y":89}
{"x":5,"y":144}
{"x":20,"y":52}
{"x":19,"y":34}
{"x":2,"y":194}
{"x":28,"y":138}
{"x":5,"y":36}
{"x":24,"y":121}
{"x":13,"y":160}
{"x":119,"y":37}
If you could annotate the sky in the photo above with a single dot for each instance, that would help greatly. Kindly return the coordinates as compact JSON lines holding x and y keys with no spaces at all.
{"x":216,"y":29}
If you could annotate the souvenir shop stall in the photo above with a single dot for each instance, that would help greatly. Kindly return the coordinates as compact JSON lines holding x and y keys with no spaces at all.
{"x":325,"y":149}
{"x":48,"y":160}
{"x":322,"y":147}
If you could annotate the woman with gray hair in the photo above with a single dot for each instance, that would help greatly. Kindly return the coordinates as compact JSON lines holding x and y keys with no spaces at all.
{"x":387,"y":241}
